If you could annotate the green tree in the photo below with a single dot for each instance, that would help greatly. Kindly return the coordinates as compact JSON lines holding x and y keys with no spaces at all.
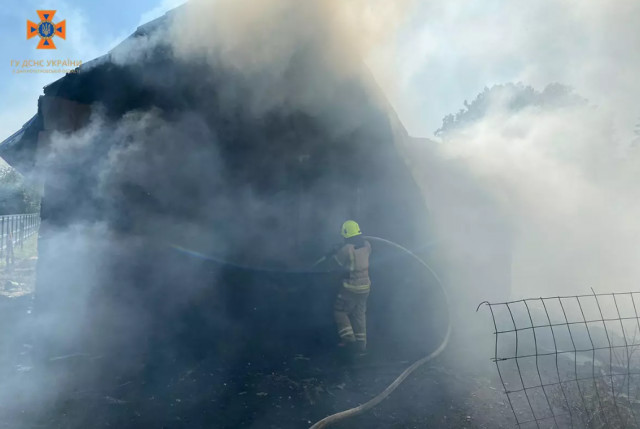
{"x":512,"y":97}
{"x":16,"y":195}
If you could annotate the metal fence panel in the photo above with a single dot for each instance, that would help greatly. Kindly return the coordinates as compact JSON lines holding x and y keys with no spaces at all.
{"x":570,"y":361}
{"x":15,"y":230}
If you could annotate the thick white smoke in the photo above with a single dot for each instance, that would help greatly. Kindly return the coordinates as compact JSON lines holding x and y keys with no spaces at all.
{"x":264,"y":41}
{"x":566,"y":188}
{"x":562,"y":180}
{"x":451,"y":50}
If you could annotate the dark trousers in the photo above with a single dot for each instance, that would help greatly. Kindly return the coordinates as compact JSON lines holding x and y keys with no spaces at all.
{"x":350,"y":312}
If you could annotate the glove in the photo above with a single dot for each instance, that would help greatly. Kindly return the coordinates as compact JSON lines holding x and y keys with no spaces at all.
{"x":329,"y":254}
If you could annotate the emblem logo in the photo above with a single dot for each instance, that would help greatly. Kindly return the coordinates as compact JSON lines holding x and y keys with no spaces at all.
{"x":46,"y":29}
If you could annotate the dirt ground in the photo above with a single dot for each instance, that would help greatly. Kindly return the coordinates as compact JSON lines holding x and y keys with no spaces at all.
{"x":294,"y":395}
{"x":163,"y":394}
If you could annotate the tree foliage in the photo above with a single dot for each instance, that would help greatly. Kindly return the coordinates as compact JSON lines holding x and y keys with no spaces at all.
{"x":16,"y":195}
{"x":512,"y":97}
{"x":636,"y":133}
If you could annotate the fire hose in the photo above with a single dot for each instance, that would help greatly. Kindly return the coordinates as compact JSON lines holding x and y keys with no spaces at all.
{"x":352,"y":412}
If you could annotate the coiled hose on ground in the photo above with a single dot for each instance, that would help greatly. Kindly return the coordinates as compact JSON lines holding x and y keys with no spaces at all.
{"x":352,"y":412}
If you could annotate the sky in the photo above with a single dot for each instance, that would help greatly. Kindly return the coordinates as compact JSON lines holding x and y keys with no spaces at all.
{"x":93,"y":28}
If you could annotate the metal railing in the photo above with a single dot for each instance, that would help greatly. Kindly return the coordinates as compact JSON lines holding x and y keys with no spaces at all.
{"x":15,"y":230}
{"x":570,"y":361}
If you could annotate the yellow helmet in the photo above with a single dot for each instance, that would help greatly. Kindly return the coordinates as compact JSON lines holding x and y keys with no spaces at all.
{"x":350,"y":229}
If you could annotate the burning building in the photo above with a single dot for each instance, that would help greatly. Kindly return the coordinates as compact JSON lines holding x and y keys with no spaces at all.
{"x":183,"y":210}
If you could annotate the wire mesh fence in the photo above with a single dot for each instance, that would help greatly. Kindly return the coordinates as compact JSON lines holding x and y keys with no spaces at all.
{"x":15,"y":230}
{"x":570,"y":361}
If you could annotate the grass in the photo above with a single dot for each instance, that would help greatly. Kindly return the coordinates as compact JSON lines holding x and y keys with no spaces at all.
{"x":18,"y":279}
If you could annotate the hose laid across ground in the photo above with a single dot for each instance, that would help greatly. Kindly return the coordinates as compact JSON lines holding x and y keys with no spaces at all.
{"x":334,"y":418}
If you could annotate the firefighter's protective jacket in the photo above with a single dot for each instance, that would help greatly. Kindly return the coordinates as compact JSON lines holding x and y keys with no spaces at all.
{"x":354,"y":258}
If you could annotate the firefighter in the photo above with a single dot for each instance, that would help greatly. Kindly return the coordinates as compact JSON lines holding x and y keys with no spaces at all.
{"x":350,"y":307}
